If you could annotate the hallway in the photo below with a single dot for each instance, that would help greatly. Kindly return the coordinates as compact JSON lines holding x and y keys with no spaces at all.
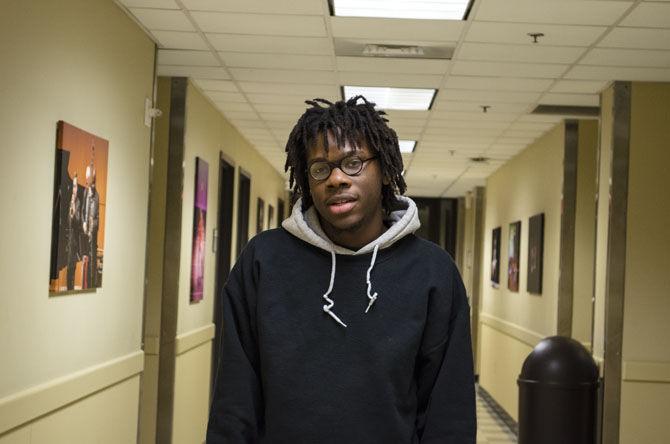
{"x":144,"y":146}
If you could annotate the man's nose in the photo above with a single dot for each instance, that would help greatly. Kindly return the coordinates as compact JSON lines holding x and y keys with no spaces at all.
{"x":338,"y":178}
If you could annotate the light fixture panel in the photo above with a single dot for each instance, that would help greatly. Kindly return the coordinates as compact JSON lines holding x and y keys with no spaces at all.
{"x":406,"y":99}
{"x":407,"y":146}
{"x":402,"y":9}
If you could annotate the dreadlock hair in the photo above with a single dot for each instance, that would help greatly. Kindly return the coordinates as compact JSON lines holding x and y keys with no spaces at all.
{"x":351,"y":122}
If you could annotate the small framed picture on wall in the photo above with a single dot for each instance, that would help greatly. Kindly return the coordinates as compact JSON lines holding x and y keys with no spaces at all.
{"x":495,"y":257}
{"x":513,"y":266}
{"x":535,"y":253}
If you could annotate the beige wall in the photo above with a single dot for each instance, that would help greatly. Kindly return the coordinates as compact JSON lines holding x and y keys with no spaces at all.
{"x":514,"y":322}
{"x":207,"y":133}
{"x":87,"y":63}
{"x":646,"y":351}
{"x":585,"y":227}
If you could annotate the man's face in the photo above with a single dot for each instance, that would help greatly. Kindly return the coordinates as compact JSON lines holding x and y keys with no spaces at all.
{"x":350,"y":204}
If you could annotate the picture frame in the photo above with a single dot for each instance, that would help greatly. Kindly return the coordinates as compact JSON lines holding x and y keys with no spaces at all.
{"x":535,"y":253}
{"x":495,"y":257}
{"x":198,"y":249}
{"x":513,"y":256}
{"x":78,"y":211}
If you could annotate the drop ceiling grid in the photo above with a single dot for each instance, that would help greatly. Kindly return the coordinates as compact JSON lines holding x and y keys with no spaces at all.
{"x":494,"y":63}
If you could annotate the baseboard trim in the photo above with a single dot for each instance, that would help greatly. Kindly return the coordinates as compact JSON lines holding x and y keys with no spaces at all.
{"x":194,"y":338}
{"x":641,"y":371}
{"x":30,"y":404}
{"x":517,"y":332}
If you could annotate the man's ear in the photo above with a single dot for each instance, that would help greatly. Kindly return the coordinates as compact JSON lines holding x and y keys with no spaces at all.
{"x":386,"y":180}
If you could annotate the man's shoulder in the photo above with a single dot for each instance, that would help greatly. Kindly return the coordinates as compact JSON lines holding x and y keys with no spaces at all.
{"x":428,"y":249}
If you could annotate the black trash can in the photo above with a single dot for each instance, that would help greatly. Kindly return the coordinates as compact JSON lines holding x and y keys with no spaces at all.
{"x":557,"y":394}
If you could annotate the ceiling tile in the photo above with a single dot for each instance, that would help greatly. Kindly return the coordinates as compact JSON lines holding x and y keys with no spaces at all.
{"x":201,"y":72}
{"x":484,"y":97}
{"x":519,"y":53}
{"x":517,"y":33}
{"x":579,"y":86}
{"x":158,"y":4}
{"x":389,"y":79}
{"x":262,"y":24}
{"x":396,"y":65}
{"x":238,"y":114}
{"x":277,"y":61}
{"x":228,"y":106}
{"x":570,"y":99}
{"x":545,"y":118}
{"x":399,"y":115}
{"x":180,"y":40}
{"x":278,"y":99}
{"x":406,"y":30}
{"x":648,"y":14}
{"x":447,"y":132}
{"x":497,"y":83}
{"x":306,"y":90}
{"x":270,"y":44}
{"x":249,"y":124}
{"x":619,"y":73}
{"x":296,"y":107}
{"x":226,"y":97}
{"x":186,"y":57}
{"x":524,"y":70}
{"x":637,"y":38}
{"x":162,"y":19}
{"x":257,"y":6}
{"x":288,"y":76}
{"x":475,"y":116}
{"x":627,"y":57}
{"x":576,"y":12}
{"x":216,"y":85}
{"x":475,"y":107}
{"x":467,"y":124}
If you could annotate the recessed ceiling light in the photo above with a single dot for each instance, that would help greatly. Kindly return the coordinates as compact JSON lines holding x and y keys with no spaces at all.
{"x":409,"y":99}
{"x":404,"y":9}
{"x":407,"y":146}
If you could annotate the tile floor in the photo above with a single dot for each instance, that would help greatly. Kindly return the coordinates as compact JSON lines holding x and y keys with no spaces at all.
{"x":490,"y":427}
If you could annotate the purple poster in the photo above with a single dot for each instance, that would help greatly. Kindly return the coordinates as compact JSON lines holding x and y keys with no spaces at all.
{"x":199,"y":230}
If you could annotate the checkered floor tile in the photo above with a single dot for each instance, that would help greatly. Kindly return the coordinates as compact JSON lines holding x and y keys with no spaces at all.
{"x":490,"y":427}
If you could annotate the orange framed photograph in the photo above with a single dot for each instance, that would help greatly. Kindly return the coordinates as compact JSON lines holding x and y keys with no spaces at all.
{"x":78,"y":221}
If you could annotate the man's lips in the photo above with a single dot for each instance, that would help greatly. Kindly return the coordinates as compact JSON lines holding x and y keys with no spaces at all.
{"x":342,"y":203}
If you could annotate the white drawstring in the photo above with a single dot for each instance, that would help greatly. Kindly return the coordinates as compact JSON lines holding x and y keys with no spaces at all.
{"x":372,"y":297}
{"x":327,"y":308}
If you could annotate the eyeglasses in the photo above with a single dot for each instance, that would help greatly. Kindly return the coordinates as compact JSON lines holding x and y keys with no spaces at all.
{"x":350,"y":165}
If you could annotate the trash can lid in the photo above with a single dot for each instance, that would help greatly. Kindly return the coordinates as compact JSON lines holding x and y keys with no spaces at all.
{"x":559,"y":360}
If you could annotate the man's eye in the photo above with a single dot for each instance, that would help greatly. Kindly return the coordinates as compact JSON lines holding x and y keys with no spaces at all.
{"x":351,"y":163}
{"x":319,"y":168}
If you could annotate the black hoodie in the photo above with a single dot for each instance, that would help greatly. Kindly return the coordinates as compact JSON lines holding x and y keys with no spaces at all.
{"x":400,"y":373}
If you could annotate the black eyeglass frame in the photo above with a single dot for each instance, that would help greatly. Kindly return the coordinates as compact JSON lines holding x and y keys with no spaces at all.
{"x":333,"y":165}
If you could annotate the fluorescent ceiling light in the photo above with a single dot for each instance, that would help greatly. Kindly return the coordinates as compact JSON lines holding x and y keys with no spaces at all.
{"x":409,"y":99}
{"x":407,"y":146}
{"x":404,"y":9}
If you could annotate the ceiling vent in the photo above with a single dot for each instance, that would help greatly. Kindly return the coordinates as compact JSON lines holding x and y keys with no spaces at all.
{"x":568,"y":110}
{"x":354,"y":48}
{"x":480,"y":159}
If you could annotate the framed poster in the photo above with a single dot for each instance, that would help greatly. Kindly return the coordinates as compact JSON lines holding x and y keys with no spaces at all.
{"x":513,"y":256}
{"x":271,"y":216}
{"x":260,"y":215}
{"x":78,"y":218}
{"x":199,"y":230}
{"x":535,"y":253}
{"x":495,"y":257}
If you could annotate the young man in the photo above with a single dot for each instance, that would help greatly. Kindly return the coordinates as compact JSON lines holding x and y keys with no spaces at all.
{"x":342,"y":326}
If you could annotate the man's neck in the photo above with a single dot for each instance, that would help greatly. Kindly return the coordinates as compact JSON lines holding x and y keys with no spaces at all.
{"x":357,"y":237}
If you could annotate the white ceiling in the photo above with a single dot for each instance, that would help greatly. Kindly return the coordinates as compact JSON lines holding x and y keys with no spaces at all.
{"x":258,"y":60}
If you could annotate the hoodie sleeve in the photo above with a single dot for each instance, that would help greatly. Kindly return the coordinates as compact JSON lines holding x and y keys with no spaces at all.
{"x":446,"y":386}
{"x":235,"y":415}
